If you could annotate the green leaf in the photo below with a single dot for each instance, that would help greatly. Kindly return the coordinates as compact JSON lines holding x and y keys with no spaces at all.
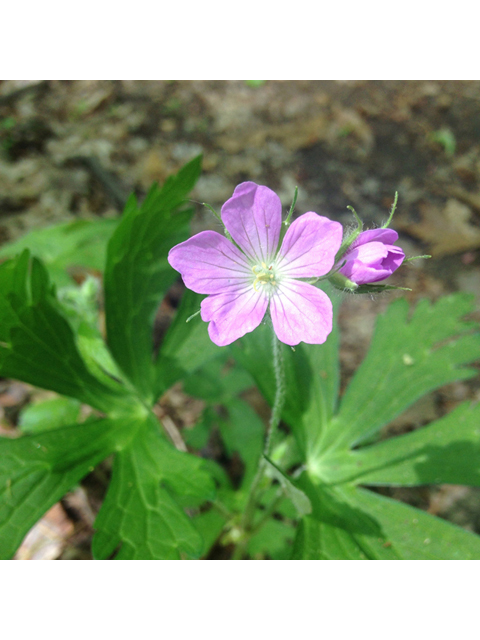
{"x":49,"y":414}
{"x":243,"y":432}
{"x":37,"y":470}
{"x":445,"y":452}
{"x":210,"y":526}
{"x":218,"y":381}
{"x":186,"y":346}
{"x":299,"y":498}
{"x":338,"y":529}
{"x":37,"y":344}
{"x":197,"y":436}
{"x":415,"y":534}
{"x":66,"y":247}
{"x":347,"y":522}
{"x":137,"y":274}
{"x":81,"y":303}
{"x":273,"y":540}
{"x":406,"y":360}
{"x":97,"y":357}
{"x":140,"y":517}
{"x":311,"y":376}
{"x":317,"y":540}
{"x":81,"y":306}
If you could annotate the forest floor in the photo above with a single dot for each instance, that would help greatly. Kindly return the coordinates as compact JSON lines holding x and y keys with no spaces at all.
{"x":72,"y":150}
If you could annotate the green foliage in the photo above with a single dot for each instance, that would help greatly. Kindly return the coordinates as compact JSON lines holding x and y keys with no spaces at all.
{"x":56,"y":344}
{"x":49,"y":414}
{"x":137,"y":274}
{"x":66,"y":248}
{"x":37,"y":343}
{"x":318,"y":497}
{"x":140,"y":514}
{"x":186,"y":346}
{"x":37,"y":470}
{"x":341,"y":450}
{"x":406,"y":360}
{"x":311,"y":379}
{"x":430,"y":455}
{"x":254,"y":83}
{"x":446,"y":139}
{"x":273,"y":540}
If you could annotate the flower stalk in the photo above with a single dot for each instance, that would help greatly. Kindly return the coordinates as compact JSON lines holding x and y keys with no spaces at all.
{"x":279,"y":401}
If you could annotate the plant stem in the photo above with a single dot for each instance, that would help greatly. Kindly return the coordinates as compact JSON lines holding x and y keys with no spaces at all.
{"x":275,"y":417}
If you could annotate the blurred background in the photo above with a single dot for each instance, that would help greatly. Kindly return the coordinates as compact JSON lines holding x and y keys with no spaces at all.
{"x":75,"y":150}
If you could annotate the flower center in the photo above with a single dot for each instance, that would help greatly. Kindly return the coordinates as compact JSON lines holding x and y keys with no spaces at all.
{"x":264,"y":276}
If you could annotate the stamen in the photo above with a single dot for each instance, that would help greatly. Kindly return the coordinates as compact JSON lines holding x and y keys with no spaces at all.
{"x":263,"y":275}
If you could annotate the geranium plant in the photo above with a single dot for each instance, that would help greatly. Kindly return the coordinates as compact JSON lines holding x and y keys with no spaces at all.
{"x":308,"y":479}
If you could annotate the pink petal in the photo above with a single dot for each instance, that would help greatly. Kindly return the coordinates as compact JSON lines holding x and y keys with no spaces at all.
{"x":209,"y":263}
{"x":234,"y":313}
{"x":301,"y":313}
{"x":371,"y":253}
{"x":253,"y":217}
{"x":372,"y":262}
{"x":387,"y":236}
{"x":309,"y":247}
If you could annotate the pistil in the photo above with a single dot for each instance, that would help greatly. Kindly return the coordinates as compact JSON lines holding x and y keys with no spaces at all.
{"x":263,"y":275}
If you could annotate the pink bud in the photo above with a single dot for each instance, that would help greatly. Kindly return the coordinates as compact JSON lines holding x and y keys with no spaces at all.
{"x":372,"y":257}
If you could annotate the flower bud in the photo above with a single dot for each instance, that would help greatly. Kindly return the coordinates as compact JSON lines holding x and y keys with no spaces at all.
{"x":372,"y":257}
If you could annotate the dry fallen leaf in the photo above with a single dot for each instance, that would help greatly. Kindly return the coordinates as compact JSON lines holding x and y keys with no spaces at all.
{"x":47,"y":539}
{"x":447,"y":231}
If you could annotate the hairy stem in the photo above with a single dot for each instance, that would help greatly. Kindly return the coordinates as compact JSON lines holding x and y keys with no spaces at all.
{"x":249,"y":513}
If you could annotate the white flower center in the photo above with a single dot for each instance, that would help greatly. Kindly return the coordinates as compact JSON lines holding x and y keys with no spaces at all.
{"x":265,"y":276}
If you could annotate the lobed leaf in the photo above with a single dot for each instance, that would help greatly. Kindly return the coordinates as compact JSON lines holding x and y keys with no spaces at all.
{"x":186,"y":346}
{"x":137,"y":274}
{"x":415,"y":534}
{"x":353,"y":523}
{"x":37,"y":343}
{"x":406,"y":360}
{"x":140,"y":517}
{"x":338,"y":529}
{"x":65,"y":247}
{"x":49,"y":414}
{"x":445,"y":452}
{"x":37,"y":470}
{"x":316,"y":540}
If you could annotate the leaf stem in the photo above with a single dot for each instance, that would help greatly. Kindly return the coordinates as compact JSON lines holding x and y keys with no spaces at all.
{"x":221,"y":508}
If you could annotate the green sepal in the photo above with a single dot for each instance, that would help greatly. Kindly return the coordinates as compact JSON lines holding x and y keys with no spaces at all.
{"x":351,"y":237}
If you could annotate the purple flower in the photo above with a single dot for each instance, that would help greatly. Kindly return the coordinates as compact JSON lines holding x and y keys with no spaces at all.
{"x":244,"y":278}
{"x":372,"y":257}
